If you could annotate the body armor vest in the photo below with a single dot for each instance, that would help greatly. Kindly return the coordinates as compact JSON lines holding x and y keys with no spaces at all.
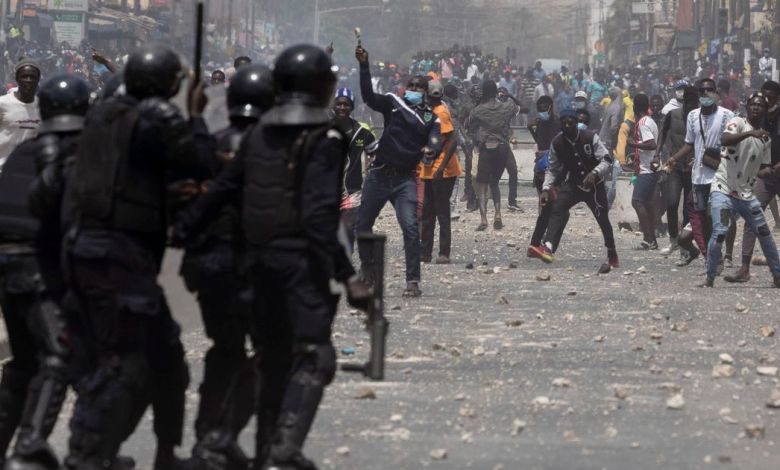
{"x":16,"y":222}
{"x":110,"y":190}
{"x":275,"y":159}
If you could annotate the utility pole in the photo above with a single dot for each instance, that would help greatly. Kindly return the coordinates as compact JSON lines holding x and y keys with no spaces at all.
{"x":316,"y":37}
{"x":776,"y":32}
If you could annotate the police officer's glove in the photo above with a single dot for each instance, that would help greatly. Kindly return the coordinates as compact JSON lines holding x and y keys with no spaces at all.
{"x":359,"y":295}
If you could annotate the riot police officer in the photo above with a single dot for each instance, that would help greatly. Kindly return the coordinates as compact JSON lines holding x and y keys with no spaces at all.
{"x":211,"y":269}
{"x":131,"y":147}
{"x":35,"y":380}
{"x":288,"y":177}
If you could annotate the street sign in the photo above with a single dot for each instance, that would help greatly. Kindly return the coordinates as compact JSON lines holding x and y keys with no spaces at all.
{"x":644,"y":7}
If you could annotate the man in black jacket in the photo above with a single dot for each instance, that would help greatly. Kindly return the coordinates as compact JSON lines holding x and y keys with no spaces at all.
{"x":411,"y":130}
{"x":580,"y":163}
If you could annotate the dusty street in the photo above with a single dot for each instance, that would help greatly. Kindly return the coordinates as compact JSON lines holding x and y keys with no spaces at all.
{"x":493,"y":368}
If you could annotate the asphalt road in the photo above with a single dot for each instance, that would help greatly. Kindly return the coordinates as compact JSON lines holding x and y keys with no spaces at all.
{"x":494,"y":369}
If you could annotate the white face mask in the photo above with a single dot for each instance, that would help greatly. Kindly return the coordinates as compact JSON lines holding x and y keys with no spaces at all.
{"x":773,"y":108}
{"x":679,"y":94}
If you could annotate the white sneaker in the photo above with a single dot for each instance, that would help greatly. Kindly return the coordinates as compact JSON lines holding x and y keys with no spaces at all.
{"x":671,"y":248}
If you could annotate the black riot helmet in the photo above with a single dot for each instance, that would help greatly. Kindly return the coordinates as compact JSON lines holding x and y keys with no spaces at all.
{"x":63,"y":100}
{"x":251,"y":92}
{"x":304,"y":80}
{"x":153,"y":71}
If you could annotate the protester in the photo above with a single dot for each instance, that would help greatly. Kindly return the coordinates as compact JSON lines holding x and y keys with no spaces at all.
{"x":543,"y":130}
{"x":746,"y":154}
{"x":411,"y":130}
{"x":489,"y":125}
{"x":19,"y":114}
{"x":439,"y":178}
{"x":702,"y":139}
{"x":644,"y":142}
{"x":581,"y":162}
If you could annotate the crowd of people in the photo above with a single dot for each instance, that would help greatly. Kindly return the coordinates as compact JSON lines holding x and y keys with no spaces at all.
{"x":268,"y":209}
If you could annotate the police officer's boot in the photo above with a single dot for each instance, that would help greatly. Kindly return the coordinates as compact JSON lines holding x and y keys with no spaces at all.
{"x":314,"y":369}
{"x":44,"y":402}
{"x":219,"y":450}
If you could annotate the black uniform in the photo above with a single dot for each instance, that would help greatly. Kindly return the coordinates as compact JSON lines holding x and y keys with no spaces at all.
{"x":291,"y":263}
{"x":211,"y":268}
{"x":128,"y":153}
{"x":31,"y":287}
{"x":287,"y":179}
{"x":35,"y":380}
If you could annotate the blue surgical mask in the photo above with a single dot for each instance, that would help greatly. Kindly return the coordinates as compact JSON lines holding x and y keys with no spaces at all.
{"x":579,"y":105}
{"x":414,"y":97}
{"x":544,"y":115}
{"x":706,"y":101}
{"x":582,"y":126}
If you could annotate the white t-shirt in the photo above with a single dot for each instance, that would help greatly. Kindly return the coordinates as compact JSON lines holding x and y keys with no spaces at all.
{"x":646,"y":130}
{"x":712,"y":127}
{"x":18,"y":122}
{"x":739,"y":165}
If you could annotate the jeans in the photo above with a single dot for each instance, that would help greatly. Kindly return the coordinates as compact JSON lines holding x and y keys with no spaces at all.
{"x":612,"y":193}
{"x":568,"y":197}
{"x":764,"y":194}
{"x":437,"y":206}
{"x":379,"y":187}
{"x":722,"y":208}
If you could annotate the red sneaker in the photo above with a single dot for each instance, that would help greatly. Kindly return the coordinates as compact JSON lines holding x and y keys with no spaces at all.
{"x":541,"y":252}
{"x":613,"y":260}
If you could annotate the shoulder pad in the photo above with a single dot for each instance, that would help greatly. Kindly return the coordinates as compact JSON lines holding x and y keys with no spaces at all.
{"x":47,"y":149}
{"x":158,"y":109}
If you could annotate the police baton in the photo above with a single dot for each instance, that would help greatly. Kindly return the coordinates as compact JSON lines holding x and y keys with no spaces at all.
{"x":198,"y":40}
{"x":376,"y":323}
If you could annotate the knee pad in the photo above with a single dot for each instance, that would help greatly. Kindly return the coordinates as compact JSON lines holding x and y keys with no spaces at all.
{"x":317,"y":361}
{"x":52,"y":330}
{"x":763,"y":231}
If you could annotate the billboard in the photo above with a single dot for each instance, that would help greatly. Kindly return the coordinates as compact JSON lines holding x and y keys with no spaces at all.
{"x":68,"y":5}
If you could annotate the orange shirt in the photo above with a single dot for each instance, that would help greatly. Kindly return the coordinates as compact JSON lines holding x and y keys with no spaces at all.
{"x":453,"y":168}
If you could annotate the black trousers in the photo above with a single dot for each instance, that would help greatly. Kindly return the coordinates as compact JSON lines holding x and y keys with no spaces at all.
{"x":545,"y":213}
{"x":437,"y":207}
{"x":569,"y":196}
{"x":677,"y":185}
{"x":511,"y":168}
{"x":292,"y":316}
{"x":135,"y":344}
{"x":226,"y":392}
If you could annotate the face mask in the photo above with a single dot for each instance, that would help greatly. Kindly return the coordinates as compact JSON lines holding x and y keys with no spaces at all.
{"x":579,"y":105}
{"x":679,"y":95}
{"x":582,"y":126}
{"x":773,"y":108}
{"x":544,"y":115}
{"x":414,"y":97}
{"x":706,"y":101}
